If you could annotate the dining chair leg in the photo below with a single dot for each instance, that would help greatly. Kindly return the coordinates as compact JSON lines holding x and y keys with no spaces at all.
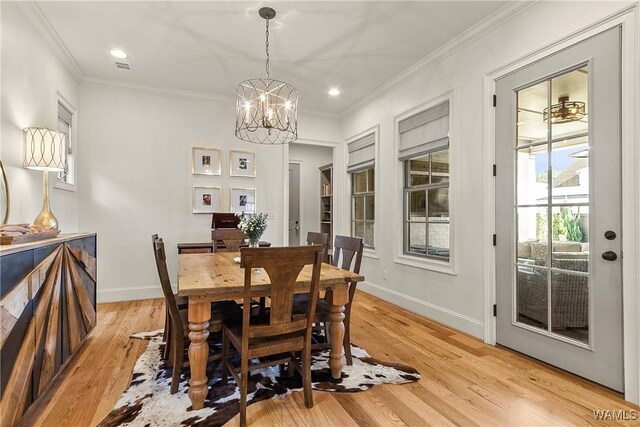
{"x":178,"y":356}
{"x":290,"y":367}
{"x":347,"y":336}
{"x":167,"y":336}
{"x":244,"y":381}
{"x":306,"y":377}
{"x":327,"y":335}
{"x":225,"y":359}
{"x":166,"y":324}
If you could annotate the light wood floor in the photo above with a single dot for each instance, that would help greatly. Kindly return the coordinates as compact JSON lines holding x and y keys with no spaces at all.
{"x":464,"y":382}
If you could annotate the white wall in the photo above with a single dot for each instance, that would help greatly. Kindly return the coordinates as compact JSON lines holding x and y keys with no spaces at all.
{"x":135,"y":179}
{"x":32,"y":76}
{"x":458,"y":299}
{"x":311,"y":157}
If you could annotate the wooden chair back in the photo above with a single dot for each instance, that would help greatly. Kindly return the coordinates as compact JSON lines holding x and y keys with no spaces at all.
{"x":232,"y":238}
{"x":163,"y":274}
{"x":315,"y":238}
{"x":351,"y":249}
{"x":283,"y":265}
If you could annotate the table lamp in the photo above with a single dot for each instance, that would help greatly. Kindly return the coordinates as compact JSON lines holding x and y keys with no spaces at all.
{"x":45,"y":150}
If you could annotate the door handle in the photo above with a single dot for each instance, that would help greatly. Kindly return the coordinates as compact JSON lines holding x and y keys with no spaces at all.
{"x":609,"y":256}
{"x":609,"y":235}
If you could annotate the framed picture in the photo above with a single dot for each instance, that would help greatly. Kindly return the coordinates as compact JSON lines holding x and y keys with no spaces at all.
{"x":206,"y":199}
{"x":205,"y":161}
{"x":242,"y":163}
{"x":243,"y":200}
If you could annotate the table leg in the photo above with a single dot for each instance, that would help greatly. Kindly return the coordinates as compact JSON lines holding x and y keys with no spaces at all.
{"x":336,"y":329}
{"x":199,"y":316}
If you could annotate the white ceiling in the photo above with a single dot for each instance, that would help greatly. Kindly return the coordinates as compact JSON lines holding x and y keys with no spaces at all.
{"x":209,"y":47}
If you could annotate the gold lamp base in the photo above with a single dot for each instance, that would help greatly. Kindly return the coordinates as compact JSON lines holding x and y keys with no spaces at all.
{"x":46,"y":218}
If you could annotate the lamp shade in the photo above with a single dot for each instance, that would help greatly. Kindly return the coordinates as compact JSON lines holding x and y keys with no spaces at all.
{"x":44,"y":149}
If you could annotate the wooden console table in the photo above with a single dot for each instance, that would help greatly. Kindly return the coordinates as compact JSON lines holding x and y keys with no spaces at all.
{"x":47,"y":308}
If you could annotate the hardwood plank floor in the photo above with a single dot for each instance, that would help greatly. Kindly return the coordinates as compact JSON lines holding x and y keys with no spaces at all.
{"x":464,"y":381}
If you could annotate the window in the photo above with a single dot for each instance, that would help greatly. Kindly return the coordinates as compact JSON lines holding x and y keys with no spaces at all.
{"x":363,"y":205}
{"x":424,"y":151}
{"x":361,"y":166}
{"x":65,"y":120}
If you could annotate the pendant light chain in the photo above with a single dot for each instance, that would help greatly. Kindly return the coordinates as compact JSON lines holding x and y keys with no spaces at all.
{"x":267,"y":47}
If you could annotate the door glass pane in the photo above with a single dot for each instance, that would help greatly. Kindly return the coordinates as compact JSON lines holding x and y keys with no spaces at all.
{"x":358,"y":207}
{"x":570,"y":306}
{"x":570,"y":170}
{"x":531,"y":296}
{"x":417,"y":237}
{"x":417,"y":205}
{"x":369,"y":208}
{"x":531,"y":103}
{"x":570,"y":233}
{"x":532,"y":175}
{"x":358,"y":229}
{"x":419,"y":170}
{"x":569,"y":109}
{"x":532,"y":229}
{"x":440,"y":166}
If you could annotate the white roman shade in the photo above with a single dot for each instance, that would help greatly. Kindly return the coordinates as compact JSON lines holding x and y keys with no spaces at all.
{"x":64,"y":124}
{"x":425,"y":132}
{"x":362,"y":153}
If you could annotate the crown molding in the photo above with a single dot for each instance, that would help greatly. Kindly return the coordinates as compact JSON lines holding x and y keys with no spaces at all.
{"x":488,"y":24}
{"x":42,"y":25}
{"x":190,"y":95}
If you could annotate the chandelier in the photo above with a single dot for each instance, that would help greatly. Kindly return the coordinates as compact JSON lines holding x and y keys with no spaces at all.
{"x":266,"y":109}
{"x":564,"y":111}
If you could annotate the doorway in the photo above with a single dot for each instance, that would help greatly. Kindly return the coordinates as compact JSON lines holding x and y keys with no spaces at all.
{"x":558,"y":210}
{"x":294,"y":204}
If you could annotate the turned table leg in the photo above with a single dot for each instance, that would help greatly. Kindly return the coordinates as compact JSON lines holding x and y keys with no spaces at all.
{"x":199,"y":316}
{"x":336,"y":329}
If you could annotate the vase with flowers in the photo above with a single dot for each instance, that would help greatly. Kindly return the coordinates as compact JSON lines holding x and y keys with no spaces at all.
{"x":253,"y":225}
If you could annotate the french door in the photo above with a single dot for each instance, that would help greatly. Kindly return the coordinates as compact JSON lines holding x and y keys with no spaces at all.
{"x":558,"y":210}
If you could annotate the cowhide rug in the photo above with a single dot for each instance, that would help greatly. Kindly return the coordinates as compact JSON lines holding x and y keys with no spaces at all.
{"x":147,"y":401}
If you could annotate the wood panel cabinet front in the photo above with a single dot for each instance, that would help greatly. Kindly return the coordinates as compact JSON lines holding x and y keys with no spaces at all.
{"x":48,"y":307}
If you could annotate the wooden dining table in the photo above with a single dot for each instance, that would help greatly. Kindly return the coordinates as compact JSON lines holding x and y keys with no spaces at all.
{"x":207,"y":277}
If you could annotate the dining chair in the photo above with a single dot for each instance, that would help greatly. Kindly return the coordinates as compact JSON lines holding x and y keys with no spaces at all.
{"x":315,"y":238}
{"x":347,"y":254}
{"x":232,"y":238}
{"x":181,"y":302}
{"x":178,"y":322}
{"x":282,"y":331}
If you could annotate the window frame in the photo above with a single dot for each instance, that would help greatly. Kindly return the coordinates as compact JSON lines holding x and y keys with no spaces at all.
{"x":423,"y":188}
{"x":64,"y":102}
{"x":363,"y":195}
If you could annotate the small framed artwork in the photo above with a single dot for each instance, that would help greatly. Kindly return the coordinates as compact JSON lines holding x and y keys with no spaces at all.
{"x":243,"y":200}
{"x":242,"y":163}
{"x":206,"y":199}
{"x":205,"y":161}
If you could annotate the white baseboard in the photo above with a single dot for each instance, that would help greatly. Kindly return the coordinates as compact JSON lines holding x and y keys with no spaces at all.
{"x":131,"y":293}
{"x":450,"y":318}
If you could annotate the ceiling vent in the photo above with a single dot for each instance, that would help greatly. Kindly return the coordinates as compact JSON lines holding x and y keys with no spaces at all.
{"x":123,"y":66}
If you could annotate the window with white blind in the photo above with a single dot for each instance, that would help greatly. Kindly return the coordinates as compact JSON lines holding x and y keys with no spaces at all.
{"x":424,"y":151}
{"x":361,"y":167}
{"x":65,"y":122}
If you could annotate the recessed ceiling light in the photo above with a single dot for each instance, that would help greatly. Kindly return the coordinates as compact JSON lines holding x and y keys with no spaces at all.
{"x":118,"y":53}
{"x":334,"y":92}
